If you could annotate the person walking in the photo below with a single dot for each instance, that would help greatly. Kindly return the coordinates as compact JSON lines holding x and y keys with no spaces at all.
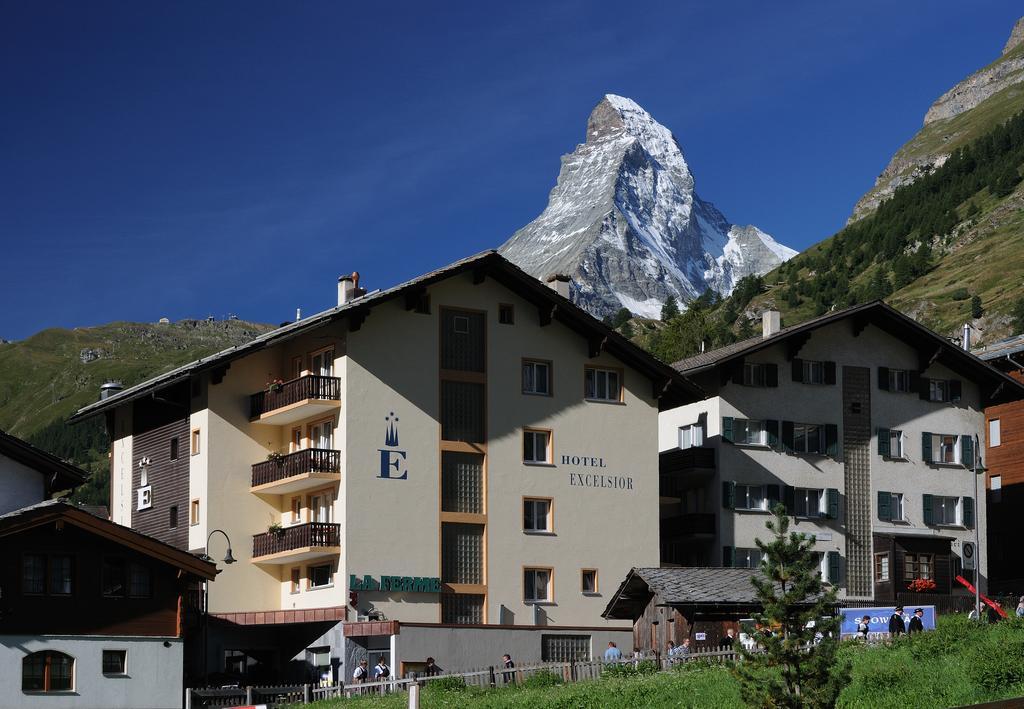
{"x":863,"y":626}
{"x":916,"y":624}
{"x":896,"y":625}
{"x":362,"y":672}
{"x":510,"y":669}
{"x":431,"y":669}
{"x":1020,"y":607}
{"x":729,"y":640}
{"x":381,"y":671}
{"x":613,"y":653}
{"x":684,"y":649}
{"x":672,"y":651}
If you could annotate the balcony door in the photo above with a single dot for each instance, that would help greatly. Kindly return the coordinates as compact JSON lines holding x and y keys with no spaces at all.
{"x":321,"y":507}
{"x":321,"y":435}
{"x":322,"y":363}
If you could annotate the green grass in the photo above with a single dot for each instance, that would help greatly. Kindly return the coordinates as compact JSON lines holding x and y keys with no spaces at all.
{"x":960,"y":663}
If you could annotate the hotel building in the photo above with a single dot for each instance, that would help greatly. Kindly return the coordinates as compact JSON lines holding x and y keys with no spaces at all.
{"x":455,"y":467}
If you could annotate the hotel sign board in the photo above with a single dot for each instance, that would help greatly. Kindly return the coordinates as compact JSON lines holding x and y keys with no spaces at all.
{"x":395,"y":584}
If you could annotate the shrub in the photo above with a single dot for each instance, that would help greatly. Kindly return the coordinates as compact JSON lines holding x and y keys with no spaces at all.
{"x":960,"y":294}
{"x":542,"y":679}
{"x":628,"y":669}
{"x":447,"y":684}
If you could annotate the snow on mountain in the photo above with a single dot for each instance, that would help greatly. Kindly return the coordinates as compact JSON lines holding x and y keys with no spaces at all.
{"x":624,"y":222}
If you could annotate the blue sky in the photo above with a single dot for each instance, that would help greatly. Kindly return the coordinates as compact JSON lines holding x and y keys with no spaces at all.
{"x":182,"y":159}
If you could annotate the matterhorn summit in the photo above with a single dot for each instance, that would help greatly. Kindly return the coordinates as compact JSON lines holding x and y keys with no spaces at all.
{"x":625,"y":224}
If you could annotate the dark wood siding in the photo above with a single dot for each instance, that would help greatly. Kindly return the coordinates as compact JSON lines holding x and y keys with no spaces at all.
{"x":86,"y":610}
{"x":155,"y":425}
{"x":1006,"y":561}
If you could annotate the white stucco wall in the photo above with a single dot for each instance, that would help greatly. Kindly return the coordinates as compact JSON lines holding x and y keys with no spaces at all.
{"x":21,"y":485}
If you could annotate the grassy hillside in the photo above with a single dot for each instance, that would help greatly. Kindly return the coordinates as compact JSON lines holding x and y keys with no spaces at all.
{"x":49,"y":376}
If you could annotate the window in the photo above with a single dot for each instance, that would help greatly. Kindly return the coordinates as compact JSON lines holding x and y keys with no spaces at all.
{"x":536,"y":446}
{"x":896,"y":445}
{"x":808,"y":438}
{"x":753,"y":374}
{"x":749,"y":433}
{"x":565,"y":648}
{"x":899,"y":380}
{"x":460,"y":325}
{"x":747,"y":558}
{"x":321,"y":435}
{"x":463,"y":411}
{"x":750,"y":497}
{"x":321,"y":507}
{"x":819,"y":561}
{"x":296,"y":367}
{"x":691,"y":436}
{"x":896,"y":507}
{"x":588,"y":580}
{"x":462,"y":482}
{"x":113,"y":575}
{"x":994,"y":433}
{"x":193,"y":514}
{"x":463,"y":340}
{"x":296,"y":510}
{"x":946,"y":510}
{"x":918,"y":566}
{"x":60,"y":581}
{"x":808,"y":502}
{"x":174,"y":448}
{"x":996,"y":482}
{"x":506,"y":314}
{"x":537,"y":585}
{"x":320,"y":576}
{"x":322,"y":363}
{"x":47,"y":671}
{"x":462,"y":553}
{"x":945,"y":448}
{"x":881,"y":567}
{"x":462,"y":608}
{"x":115,"y":662}
{"x":195,"y":441}
{"x":938,"y":390}
{"x":172,"y":517}
{"x":536,"y":377}
{"x":296,"y":584}
{"x":140,"y":584}
{"x":537,"y":515}
{"x":33,"y":574}
{"x":295,"y":442}
{"x":602,"y":384}
{"x":814,"y":372}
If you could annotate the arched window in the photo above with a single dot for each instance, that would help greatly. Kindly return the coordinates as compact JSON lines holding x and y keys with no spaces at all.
{"x":47,"y":671}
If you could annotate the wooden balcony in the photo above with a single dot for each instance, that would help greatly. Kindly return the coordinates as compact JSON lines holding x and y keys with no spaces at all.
{"x":297,"y":543}
{"x":301,"y":470}
{"x":295,"y":400}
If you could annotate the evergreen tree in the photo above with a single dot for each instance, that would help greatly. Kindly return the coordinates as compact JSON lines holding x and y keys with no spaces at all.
{"x":798,"y":668}
{"x":670,"y":309}
{"x":627,"y":330}
{"x":976,"y":310}
{"x":620,"y":318}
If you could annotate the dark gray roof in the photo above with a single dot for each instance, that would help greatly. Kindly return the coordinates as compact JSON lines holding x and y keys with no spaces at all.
{"x":58,"y":474}
{"x":676,"y":586}
{"x":667,"y":380}
{"x":1009,"y":346}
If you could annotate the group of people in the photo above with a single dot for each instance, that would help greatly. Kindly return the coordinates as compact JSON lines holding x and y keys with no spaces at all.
{"x":381,"y":671}
{"x":898,"y":624}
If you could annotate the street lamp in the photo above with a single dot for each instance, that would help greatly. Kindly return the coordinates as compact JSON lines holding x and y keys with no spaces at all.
{"x":228,"y":559}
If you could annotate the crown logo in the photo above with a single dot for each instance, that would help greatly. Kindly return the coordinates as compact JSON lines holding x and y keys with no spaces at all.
{"x":391,"y":430}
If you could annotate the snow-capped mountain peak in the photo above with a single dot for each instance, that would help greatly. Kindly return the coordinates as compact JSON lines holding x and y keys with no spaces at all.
{"x":624,"y":222}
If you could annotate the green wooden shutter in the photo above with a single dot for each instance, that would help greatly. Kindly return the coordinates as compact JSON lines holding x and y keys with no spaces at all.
{"x":787,"y":435}
{"x":924,"y":388}
{"x":831,"y":440}
{"x":728,"y":557}
{"x":883,"y":378}
{"x":798,"y":370}
{"x":883,"y":442}
{"x":968,"y":511}
{"x":928,"y":509}
{"x":729,"y":494}
{"x":830,"y":372}
{"x":956,"y":390}
{"x":771,"y":375}
{"x":915,"y":382}
{"x":832,"y":503}
{"x":789,"y":499}
{"x":926,"y":447}
{"x":833,"y":568}
{"x":884,"y":505}
{"x":727,"y":428}
{"x":967,"y":451}
{"x":772,"y":428}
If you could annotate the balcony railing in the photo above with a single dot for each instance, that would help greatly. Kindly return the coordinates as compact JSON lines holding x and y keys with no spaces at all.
{"x":688,"y":525}
{"x":687,"y":459}
{"x":309,"y":387}
{"x":299,"y":537}
{"x":309,"y":460}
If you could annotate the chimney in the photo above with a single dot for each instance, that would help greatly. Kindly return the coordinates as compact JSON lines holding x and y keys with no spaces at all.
{"x":347,"y":287}
{"x":559,"y":282}
{"x":109,"y":388}
{"x":298,"y":314}
{"x":771,"y":323}
{"x":965,"y":340}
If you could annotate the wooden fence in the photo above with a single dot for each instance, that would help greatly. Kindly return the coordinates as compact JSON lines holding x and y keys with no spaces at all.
{"x":286,"y":695}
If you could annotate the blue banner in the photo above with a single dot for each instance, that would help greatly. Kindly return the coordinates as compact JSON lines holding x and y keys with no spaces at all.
{"x":878,"y":625}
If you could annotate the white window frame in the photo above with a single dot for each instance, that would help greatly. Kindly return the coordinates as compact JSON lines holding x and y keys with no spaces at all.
{"x":897,"y":510}
{"x":691,"y":436}
{"x":124,"y":668}
{"x":945,"y":503}
{"x":755,"y":374}
{"x":883,"y":571}
{"x":607,"y":375}
{"x":996,"y":482}
{"x":938,"y":390}
{"x":995,"y":433}
{"x":460,"y":324}
{"x":804,"y":494}
{"x":897,"y":445}
{"x":535,"y":574}
{"x":747,"y":555}
{"x":938,"y":448}
{"x":532,"y":518}
{"x":311,"y":585}
{"x":746,"y":425}
{"x":530,"y":384}
{"x":583,"y":585}
{"x":822,"y":558}
{"x":899,"y":380}
{"x":814,"y":372}
{"x":746,"y":497}
{"x":532,"y":434}
{"x":804,"y":431}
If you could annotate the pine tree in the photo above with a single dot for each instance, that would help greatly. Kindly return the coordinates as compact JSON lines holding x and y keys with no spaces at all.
{"x":976,"y":310}
{"x":798,"y":667}
{"x":670,"y":309}
{"x":627,"y":330}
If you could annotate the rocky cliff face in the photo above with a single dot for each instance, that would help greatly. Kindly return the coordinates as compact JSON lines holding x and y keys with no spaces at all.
{"x":625,"y":223}
{"x":1000,"y":86}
